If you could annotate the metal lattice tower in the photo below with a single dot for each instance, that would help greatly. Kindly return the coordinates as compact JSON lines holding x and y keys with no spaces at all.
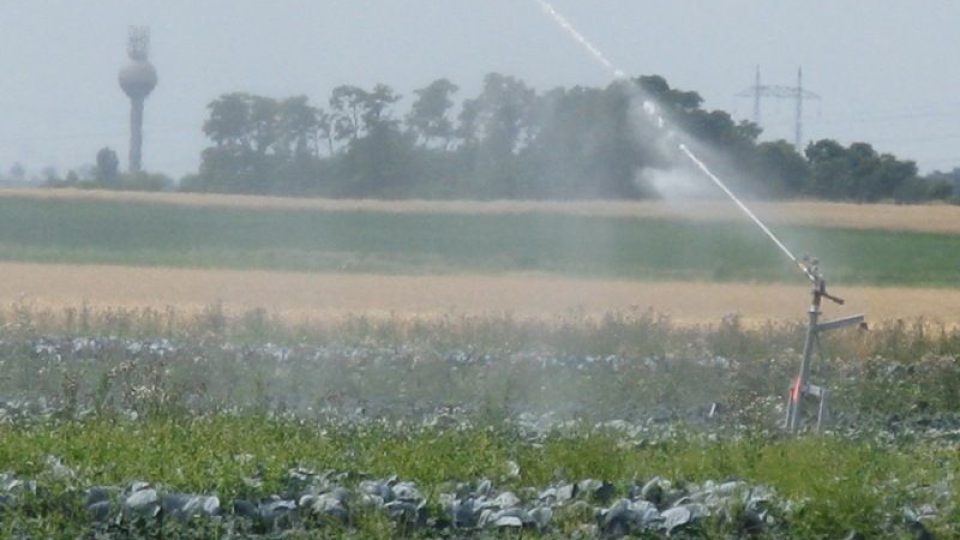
{"x":796,"y":93}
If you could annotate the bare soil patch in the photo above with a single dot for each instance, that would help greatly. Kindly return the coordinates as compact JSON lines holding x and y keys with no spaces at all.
{"x":316,"y":297}
{"x":937,"y":218}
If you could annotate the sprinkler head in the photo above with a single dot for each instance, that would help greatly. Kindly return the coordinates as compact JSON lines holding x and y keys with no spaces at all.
{"x":811,"y":265}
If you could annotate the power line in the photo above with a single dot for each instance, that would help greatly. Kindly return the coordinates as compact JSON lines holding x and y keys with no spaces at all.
{"x":928,"y":138}
{"x":796,"y":93}
{"x":876,"y":118}
{"x":951,"y":160}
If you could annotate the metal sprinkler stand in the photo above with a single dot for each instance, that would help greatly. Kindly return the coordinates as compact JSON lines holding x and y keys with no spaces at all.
{"x":801,"y":386}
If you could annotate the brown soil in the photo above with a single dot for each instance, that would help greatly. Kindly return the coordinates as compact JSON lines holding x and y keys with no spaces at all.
{"x":930,"y":218}
{"x":299,"y":296}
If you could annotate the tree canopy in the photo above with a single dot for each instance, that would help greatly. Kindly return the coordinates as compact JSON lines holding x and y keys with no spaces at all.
{"x":510,"y":141}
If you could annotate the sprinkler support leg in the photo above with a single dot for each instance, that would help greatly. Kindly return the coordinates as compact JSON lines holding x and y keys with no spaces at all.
{"x":801,"y":386}
{"x":797,"y":393}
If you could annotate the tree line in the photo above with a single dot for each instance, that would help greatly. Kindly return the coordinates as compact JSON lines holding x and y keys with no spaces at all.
{"x":510,"y":141}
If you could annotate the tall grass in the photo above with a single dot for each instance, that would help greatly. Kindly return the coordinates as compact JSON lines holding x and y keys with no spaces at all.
{"x":630,"y":365}
{"x":631,"y":332}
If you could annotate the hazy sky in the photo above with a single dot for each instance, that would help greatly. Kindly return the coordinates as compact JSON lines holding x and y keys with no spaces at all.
{"x":885,"y":69}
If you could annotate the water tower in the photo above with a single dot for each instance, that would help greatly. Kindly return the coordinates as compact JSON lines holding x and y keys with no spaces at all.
{"x":138,"y":79}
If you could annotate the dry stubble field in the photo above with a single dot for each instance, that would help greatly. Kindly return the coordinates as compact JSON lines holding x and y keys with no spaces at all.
{"x":318,"y":296}
{"x":304,"y":297}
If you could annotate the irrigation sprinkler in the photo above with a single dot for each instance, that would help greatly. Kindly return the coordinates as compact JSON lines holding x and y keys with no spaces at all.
{"x":801,"y":386}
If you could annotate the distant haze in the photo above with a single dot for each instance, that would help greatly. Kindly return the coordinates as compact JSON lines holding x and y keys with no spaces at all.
{"x":883,"y":69}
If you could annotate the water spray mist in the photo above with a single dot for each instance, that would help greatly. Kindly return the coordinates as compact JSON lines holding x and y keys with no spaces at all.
{"x":746,"y":210}
{"x":652,"y":111}
{"x":800,"y":386}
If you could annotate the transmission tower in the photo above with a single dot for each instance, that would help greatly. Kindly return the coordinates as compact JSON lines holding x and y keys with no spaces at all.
{"x":796,"y":93}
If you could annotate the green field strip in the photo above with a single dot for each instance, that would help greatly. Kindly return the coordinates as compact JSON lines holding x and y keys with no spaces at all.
{"x":144,"y":234}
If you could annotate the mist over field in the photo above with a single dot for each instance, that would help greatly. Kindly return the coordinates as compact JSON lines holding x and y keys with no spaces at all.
{"x":478,"y":270}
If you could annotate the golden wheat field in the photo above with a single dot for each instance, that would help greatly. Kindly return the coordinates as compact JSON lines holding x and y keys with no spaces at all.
{"x":304,"y":297}
{"x":938,"y":218}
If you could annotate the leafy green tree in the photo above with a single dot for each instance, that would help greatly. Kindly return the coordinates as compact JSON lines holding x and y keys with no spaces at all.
{"x":633,"y":145}
{"x":675,"y":101}
{"x":891,"y":178}
{"x":780,"y":171}
{"x":299,"y":126}
{"x":510,"y":141}
{"x":564,"y":156}
{"x":107,"y":171}
{"x":495,"y":126}
{"x":346,"y":104}
{"x":50,"y":175}
{"x":428,"y":118}
{"x":590,"y":143}
{"x":944,"y":185}
{"x":505,"y":114}
{"x":144,"y":181}
{"x":728,"y":147}
{"x":229,"y":123}
{"x":859,"y":173}
{"x":325,"y":130}
{"x":376,"y":109}
{"x":244,"y":129}
{"x":379,"y":156}
{"x":18,"y":173}
{"x":264,"y":124}
{"x":830,"y":176}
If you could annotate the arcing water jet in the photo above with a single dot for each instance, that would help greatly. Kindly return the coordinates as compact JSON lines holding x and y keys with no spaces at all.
{"x":580,"y":38}
{"x":800,"y":387}
{"x":650,"y":108}
{"x":746,"y":210}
